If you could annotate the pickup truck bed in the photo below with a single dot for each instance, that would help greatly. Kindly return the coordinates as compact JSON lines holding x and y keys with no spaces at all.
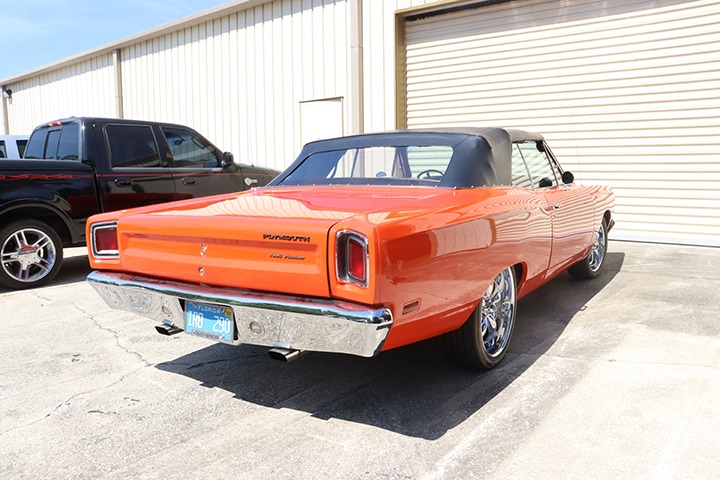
{"x":77,"y":167}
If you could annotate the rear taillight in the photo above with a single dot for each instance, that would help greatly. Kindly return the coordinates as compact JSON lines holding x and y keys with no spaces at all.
{"x":104,"y":240}
{"x":352,"y":258}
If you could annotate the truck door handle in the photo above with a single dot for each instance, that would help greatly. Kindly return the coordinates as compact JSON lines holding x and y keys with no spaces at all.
{"x":189,"y":181}
{"x":123,"y":182}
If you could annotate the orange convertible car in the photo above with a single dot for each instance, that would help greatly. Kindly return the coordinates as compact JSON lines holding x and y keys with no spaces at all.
{"x":365,"y":243}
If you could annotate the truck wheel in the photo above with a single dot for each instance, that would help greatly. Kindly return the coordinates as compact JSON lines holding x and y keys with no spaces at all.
{"x":483,"y":340}
{"x":30,"y":254}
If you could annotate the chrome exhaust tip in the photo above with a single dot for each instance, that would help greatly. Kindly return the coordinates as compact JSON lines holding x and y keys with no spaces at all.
{"x":165,"y":329}
{"x":283,"y":354}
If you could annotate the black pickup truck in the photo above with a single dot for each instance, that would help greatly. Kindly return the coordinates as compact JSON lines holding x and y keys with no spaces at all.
{"x":77,"y":167}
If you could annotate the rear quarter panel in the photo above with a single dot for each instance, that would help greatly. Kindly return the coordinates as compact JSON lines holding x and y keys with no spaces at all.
{"x":66,"y":188}
{"x":432,"y":267}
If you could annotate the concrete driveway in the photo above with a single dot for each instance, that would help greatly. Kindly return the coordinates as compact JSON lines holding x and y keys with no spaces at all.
{"x":613,"y":378}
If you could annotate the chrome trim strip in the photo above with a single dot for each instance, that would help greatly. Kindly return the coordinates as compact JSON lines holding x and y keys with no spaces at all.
{"x":262,"y":319}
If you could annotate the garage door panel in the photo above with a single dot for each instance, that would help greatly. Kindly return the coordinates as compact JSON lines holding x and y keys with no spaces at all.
{"x":536,"y":118}
{"x":704,"y":83}
{"x":546,"y":15}
{"x":627,"y":93}
{"x":601,"y":49}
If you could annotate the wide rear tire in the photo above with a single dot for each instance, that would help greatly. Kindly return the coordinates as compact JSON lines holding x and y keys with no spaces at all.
{"x":483,"y":340}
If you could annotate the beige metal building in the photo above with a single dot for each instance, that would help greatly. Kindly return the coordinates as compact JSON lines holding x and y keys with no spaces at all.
{"x":626,"y":91}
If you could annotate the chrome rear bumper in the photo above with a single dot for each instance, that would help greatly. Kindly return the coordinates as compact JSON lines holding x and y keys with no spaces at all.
{"x":261,"y":319}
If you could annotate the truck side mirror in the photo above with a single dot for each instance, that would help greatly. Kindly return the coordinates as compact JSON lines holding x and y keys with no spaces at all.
{"x":568,"y":178}
{"x":228,"y":160}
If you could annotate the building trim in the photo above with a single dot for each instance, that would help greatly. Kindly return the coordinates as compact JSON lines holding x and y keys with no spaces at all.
{"x":117,"y":67}
{"x":357,"y":85}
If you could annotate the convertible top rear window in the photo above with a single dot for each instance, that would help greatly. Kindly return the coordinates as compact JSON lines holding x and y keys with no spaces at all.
{"x":448,"y":158}
{"x":377,"y":165}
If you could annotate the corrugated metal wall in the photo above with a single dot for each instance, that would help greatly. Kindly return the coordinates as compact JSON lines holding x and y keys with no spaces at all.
{"x":86,"y":88}
{"x":240,"y":79}
{"x":627,"y":92}
{"x":380,"y":61}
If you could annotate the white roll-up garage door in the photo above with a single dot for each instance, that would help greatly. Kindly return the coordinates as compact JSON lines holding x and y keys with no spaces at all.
{"x":626,"y":92}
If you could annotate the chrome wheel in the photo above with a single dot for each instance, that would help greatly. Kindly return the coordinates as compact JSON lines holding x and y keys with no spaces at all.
{"x":592,"y":265}
{"x":28,"y":255}
{"x":497,"y":313}
{"x":597,"y":252}
{"x":483,"y":339}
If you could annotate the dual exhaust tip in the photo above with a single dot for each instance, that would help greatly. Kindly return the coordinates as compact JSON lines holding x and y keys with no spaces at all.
{"x":277,"y":353}
{"x":283,"y":354}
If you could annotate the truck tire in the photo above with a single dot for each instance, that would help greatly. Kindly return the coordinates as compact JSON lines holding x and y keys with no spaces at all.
{"x":30,"y":254}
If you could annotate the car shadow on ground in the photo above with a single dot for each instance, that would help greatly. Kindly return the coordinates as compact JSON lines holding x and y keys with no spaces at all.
{"x":414,"y":390}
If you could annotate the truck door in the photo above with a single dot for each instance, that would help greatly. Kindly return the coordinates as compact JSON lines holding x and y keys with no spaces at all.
{"x":197,"y":167}
{"x":136,"y":173}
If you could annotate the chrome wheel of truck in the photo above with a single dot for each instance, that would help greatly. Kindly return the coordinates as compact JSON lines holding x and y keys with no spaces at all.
{"x":30,"y":254}
{"x":483,"y":340}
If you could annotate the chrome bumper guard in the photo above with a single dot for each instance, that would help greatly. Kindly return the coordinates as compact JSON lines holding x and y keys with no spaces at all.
{"x":261,"y":319}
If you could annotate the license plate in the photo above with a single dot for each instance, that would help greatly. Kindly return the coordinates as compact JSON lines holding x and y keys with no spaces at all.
{"x":209,"y":321}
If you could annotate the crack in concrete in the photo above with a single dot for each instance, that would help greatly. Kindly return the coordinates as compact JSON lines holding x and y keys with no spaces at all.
{"x":37,"y":295}
{"x":73,"y":397}
{"x":115,"y":335}
{"x":589,"y":361}
{"x":211,"y":362}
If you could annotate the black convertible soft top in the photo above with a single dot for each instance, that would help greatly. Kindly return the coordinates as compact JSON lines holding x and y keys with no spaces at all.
{"x":481,"y":156}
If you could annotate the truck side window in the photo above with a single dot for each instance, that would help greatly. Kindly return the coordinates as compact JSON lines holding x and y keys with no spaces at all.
{"x":51,"y":147}
{"x":21,"y":144}
{"x":190,"y":150}
{"x":69,"y":146}
{"x":132,"y":146}
{"x":36,"y":145}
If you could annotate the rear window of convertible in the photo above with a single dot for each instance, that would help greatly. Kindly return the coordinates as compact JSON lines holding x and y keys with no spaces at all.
{"x":411,"y":165}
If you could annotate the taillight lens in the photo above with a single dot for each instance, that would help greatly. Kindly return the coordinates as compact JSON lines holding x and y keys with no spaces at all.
{"x":356,"y":259}
{"x":352,"y":258}
{"x":104,"y":240}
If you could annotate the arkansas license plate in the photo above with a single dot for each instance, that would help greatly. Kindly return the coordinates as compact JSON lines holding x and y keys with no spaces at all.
{"x":209,"y":321}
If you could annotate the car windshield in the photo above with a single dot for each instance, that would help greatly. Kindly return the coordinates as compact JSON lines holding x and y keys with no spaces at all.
{"x":378,"y":165}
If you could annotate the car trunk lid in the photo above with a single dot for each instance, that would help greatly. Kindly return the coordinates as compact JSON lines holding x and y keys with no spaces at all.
{"x":234,"y":242}
{"x":272,"y":240}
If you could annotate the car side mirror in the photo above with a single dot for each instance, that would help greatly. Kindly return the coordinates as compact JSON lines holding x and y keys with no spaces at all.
{"x":568,"y":178}
{"x":228,"y":160}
